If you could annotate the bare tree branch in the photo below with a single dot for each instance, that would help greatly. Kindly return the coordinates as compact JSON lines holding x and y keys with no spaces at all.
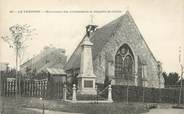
{"x":19,"y":35}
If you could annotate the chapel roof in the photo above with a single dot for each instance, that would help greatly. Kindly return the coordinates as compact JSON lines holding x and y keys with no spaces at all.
{"x":99,"y":38}
{"x":55,"y":71}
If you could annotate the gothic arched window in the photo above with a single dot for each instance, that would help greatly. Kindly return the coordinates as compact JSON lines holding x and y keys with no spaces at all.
{"x":124,"y":63}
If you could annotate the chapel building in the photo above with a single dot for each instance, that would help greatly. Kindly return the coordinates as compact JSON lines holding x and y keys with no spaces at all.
{"x":120,"y":53}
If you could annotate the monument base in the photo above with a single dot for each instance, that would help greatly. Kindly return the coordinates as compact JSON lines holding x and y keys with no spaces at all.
{"x":87,"y":91}
{"x":86,"y":85}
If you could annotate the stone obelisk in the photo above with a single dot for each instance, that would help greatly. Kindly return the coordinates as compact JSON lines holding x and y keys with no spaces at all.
{"x":87,"y":78}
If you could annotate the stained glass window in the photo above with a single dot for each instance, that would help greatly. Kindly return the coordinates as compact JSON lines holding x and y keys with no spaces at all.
{"x":118,"y":66}
{"x":124,"y":63}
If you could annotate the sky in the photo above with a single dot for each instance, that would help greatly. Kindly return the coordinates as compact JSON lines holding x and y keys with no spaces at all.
{"x":161,"y":22}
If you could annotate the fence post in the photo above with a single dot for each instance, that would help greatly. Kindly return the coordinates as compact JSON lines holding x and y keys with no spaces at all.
{"x":64,"y":92}
{"x":110,"y":94}
{"x":5,"y":87}
{"x":74,"y":93}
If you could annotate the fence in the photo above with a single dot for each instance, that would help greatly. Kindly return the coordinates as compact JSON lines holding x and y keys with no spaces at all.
{"x":154,"y":95}
{"x":32,"y":88}
{"x":54,"y":90}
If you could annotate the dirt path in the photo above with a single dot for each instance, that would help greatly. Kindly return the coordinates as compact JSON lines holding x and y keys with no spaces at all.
{"x":49,"y":111}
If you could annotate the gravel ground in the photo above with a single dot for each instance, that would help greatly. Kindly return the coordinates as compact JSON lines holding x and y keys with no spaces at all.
{"x":165,"y":111}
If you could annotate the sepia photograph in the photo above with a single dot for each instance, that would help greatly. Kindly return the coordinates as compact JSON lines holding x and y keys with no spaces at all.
{"x":91,"y":57}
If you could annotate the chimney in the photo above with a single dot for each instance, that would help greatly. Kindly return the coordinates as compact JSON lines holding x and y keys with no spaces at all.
{"x":90,"y":29}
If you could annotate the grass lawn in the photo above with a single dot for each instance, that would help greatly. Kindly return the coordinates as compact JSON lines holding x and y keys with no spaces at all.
{"x":8,"y":105}
{"x":14,"y":110}
{"x":114,"y":108}
{"x":111,"y":108}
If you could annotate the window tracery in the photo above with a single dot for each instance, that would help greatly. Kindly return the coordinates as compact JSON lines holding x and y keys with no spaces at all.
{"x":124,"y":63}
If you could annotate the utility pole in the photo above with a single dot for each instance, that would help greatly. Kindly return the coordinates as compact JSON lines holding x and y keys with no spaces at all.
{"x":159,"y":76}
{"x":0,"y":90}
{"x":181,"y":77}
{"x":0,"y":82}
{"x":16,"y":73}
{"x":143,"y":80}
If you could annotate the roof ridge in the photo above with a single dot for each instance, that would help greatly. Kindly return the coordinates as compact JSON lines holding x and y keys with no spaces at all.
{"x":117,"y":26}
{"x":138,"y":30}
{"x":117,"y":20}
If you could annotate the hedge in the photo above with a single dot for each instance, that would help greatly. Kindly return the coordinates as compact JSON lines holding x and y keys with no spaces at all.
{"x":135,"y":94}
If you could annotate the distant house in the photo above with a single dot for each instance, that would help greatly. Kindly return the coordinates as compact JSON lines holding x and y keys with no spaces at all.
{"x":50,"y":57}
{"x":4,"y":66}
{"x":58,"y":75}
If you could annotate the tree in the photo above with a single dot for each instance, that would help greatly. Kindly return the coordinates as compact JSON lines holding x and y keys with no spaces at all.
{"x":19,"y":34}
{"x":171,"y":79}
{"x":164,"y":74}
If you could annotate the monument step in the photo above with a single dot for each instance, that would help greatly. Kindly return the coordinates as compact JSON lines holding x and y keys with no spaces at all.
{"x":89,"y":97}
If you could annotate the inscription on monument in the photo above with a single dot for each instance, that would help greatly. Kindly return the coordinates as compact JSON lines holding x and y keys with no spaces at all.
{"x":88,"y":83}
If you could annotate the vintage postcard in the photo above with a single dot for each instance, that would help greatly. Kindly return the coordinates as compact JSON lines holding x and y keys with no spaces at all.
{"x":91,"y":57}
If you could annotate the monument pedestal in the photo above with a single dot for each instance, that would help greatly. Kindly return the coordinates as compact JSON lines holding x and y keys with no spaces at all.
{"x":86,"y":85}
